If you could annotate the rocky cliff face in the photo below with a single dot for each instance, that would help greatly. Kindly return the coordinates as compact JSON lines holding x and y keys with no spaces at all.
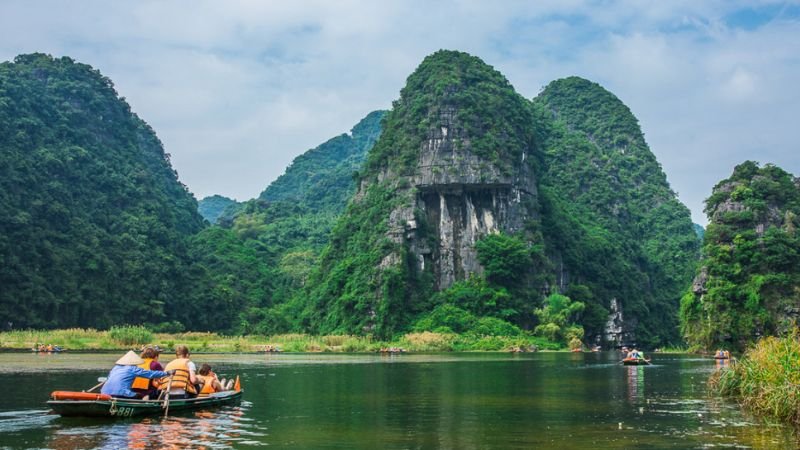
{"x":461,"y":197}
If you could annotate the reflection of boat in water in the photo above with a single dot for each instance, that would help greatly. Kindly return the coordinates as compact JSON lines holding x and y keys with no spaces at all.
{"x":635,"y":362}
{"x":635,"y":383}
{"x":88,"y":404}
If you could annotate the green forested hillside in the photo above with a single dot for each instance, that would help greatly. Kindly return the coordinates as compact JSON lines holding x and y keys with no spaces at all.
{"x":285,"y":229}
{"x":749,"y":281}
{"x":214,"y":207}
{"x":700,"y":231}
{"x":609,"y":214}
{"x":322,"y":178}
{"x":93,"y":220}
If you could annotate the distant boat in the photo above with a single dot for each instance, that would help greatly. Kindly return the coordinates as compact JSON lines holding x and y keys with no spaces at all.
{"x":392,"y":350}
{"x":635,"y":362}
{"x":48,"y":349}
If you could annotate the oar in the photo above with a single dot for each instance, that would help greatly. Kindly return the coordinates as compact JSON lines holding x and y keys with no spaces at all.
{"x":102,"y":381}
{"x":166,"y":399}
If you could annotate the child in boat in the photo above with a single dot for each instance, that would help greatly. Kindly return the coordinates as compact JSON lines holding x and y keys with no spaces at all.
{"x":212,"y":383}
{"x":121,"y":377}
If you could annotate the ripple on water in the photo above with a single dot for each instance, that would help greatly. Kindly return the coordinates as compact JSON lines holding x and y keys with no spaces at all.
{"x":223,"y":428}
{"x":13,"y":421}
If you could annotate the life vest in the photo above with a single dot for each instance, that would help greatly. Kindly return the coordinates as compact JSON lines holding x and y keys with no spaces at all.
{"x":142,"y":382}
{"x":208,"y":386}
{"x":181,"y":378}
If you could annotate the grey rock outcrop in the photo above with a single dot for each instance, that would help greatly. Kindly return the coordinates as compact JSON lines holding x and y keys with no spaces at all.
{"x":461,"y":197}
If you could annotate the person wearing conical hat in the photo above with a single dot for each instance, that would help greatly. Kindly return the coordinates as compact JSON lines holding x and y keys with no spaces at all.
{"x":125,"y":370}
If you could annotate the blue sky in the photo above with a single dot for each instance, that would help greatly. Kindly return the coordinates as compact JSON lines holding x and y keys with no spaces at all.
{"x":237,"y":89}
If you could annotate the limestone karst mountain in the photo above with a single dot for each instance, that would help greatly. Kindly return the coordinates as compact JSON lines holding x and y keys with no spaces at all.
{"x":749,"y":281}
{"x":612,"y":222}
{"x":463,"y":157}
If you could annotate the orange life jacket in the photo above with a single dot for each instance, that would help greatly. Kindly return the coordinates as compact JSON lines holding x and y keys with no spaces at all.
{"x":181,"y":378}
{"x":208,"y":386}
{"x":142,"y":382}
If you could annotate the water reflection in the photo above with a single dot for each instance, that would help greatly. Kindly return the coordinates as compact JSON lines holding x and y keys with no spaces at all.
{"x":223,"y":428}
{"x":546,"y":400}
{"x":635,"y":383}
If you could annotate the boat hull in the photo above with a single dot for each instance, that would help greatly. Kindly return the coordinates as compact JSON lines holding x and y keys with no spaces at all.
{"x":635,"y":362}
{"x":133,"y":408}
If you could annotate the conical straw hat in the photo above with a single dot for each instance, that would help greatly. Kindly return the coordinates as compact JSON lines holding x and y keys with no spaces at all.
{"x":130,"y":359}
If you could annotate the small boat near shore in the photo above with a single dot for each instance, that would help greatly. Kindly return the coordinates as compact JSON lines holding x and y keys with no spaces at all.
{"x":47,"y":349}
{"x":88,"y":404}
{"x":392,"y":350}
{"x":635,"y":362}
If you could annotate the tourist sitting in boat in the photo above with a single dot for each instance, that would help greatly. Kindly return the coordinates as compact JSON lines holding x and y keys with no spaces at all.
{"x":211,"y":382}
{"x":125,"y":370}
{"x":635,"y":354}
{"x":145,"y":386}
{"x":184,"y":383}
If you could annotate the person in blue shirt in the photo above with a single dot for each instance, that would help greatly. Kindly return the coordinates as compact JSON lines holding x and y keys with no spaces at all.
{"x":122,"y":374}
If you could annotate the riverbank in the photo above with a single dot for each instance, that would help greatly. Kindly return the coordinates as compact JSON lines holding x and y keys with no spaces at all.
{"x":765,"y":379}
{"x":124,"y":338}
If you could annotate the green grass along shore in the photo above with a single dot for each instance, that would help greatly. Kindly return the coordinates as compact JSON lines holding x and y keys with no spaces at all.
{"x":766,"y":378}
{"x":133,"y":337}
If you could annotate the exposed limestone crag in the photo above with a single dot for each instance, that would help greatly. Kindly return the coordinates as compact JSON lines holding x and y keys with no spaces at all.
{"x":461,"y":197}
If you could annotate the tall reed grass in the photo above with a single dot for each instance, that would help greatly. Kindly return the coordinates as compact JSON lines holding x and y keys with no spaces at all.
{"x":133,"y":337}
{"x":766,"y":379}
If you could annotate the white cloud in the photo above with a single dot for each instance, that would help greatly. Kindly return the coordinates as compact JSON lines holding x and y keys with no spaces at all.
{"x":237,"y":89}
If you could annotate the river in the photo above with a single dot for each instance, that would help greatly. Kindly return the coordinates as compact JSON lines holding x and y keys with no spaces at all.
{"x":417,"y":401}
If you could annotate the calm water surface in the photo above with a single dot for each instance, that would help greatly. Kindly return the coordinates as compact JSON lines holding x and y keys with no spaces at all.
{"x":462,"y":401}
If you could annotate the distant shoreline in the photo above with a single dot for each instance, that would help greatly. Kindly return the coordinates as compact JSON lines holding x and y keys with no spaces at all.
{"x":78,"y":340}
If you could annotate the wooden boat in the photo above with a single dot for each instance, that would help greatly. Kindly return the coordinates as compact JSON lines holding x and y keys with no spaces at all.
{"x":47,"y":349}
{"x":87,"y":404}
{"x":635,"y":362}
{"x":392,"y":350}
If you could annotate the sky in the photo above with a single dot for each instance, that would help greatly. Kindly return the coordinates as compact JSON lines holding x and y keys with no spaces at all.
{"x":237,"y":89}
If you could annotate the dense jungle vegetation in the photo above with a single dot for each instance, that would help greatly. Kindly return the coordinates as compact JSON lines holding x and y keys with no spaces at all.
{"x":215,"y":206}
{"x":609,"y":216}
{"x":749,"y":281}
{"x":94,"y":222}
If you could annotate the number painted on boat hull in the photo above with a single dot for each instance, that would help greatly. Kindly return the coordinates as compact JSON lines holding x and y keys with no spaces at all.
{"x":122,"y":412}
